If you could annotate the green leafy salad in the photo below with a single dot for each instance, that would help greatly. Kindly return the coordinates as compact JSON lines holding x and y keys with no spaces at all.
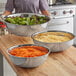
{"x":33,"y":20}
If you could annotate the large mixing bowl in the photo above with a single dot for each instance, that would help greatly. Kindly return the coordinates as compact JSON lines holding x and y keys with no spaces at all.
{"x":55,"y":46}
{"x":28,"y":62}
{"x":25,"y":30}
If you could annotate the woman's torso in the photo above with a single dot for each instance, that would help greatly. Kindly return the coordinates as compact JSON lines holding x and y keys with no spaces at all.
{"x":30,"y":6}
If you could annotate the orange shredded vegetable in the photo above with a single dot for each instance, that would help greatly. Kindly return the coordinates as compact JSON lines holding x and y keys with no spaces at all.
{"x":29,"y":51}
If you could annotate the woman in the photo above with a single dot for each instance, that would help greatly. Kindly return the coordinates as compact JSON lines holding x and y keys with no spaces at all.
{"x":26,"y":6}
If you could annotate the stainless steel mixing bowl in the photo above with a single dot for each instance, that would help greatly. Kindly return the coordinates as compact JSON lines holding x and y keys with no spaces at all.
{"x":27,"y":62}
{"x":25,"y":30}
{"x":57,"y":46}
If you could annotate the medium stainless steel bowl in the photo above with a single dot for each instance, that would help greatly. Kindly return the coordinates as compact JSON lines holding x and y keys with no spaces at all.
{"x":28,"y":62}
{"x":25,"y":30}
{"x":57,"y":46}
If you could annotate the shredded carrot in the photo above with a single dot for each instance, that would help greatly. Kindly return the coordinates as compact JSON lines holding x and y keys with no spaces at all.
{"x":29,"y":51}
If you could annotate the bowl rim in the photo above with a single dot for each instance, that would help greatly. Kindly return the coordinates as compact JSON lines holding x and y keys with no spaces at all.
{"x":9,"y":49}
{"x":32,"y":36}
{"x":28,"y":14}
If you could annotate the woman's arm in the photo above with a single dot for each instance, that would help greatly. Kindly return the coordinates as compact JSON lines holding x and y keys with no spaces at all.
{"x":9,"y":7}
{"x":43,"y":5}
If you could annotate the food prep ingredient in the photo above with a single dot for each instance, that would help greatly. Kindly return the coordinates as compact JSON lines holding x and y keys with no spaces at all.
{"x":51,"y":37}
{"x":33,"y":20}
{"x":2,"y":24}
{"x":28,"y":51}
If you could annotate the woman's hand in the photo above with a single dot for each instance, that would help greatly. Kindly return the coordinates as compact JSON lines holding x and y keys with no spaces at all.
{"x":45,"y":12}
{"x":6,"y":13}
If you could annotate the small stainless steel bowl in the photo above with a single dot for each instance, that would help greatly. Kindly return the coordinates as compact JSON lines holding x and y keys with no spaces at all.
{"x":56,"y":46}
{"x":25,"y":30}
{"x":28,"y":62}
